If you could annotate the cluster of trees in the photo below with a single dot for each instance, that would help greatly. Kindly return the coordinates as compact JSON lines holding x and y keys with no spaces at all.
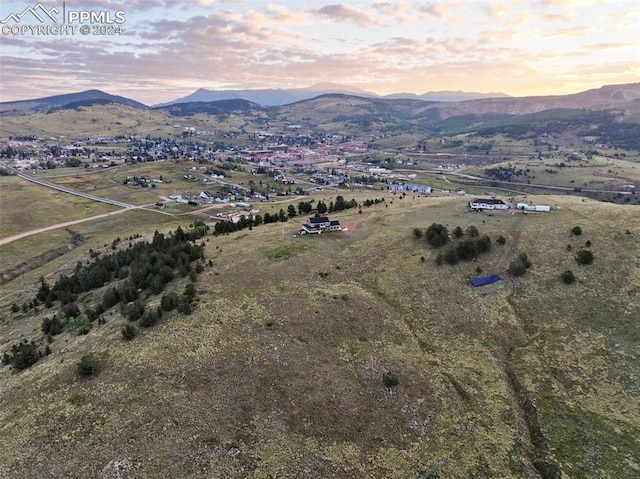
{"x":469,"y":246}
{"x":339,"y":205}
{"x":226,"y":227}
{"x":23,"y":354}
{"x":306,"y":207}
{"x":503,"y":173}
{"x":147,"y":317}
{"x":582,"y":257}
{"x":367,"y":203}
{"x":144,"y":266}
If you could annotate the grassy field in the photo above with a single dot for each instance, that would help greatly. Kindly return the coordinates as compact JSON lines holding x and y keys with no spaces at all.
{"x":25,"y":206}
{"x":278,"y":371}
{"x":595,"y":173}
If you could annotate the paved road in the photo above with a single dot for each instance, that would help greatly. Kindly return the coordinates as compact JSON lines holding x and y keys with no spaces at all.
{"x":49,"y":184}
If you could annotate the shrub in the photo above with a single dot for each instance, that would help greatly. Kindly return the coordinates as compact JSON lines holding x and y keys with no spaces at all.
{"x":15,"y":308}
{"x":587,"y":244}
{"x":467,"y":250}
{"x":576,"y":231}
{"x":169,"y":301}
{"x":584,"y":257}
{"x":517,"y":268}
{"x":568,"y":277}
{"x":128,"y":332}
{"x":79,"y":325}
{"x":524,"y":260}
{"x":451,"y":256}
{"x":52,"y":326}
{"x":417,"y":232}
{"x":390,"y":379}
{"x":501,"y":240}
{"x":437,"y":235}
{"x":185,"y":306}
{"x":189,"y":291}
{"x":149,"y":318}
{"x":22,"y":355}
{"x":457,"y":232}
{"x":439,"y":259}
{"x":472,"y":231}
{"x":71,"y":310}
{"x":135,"y":311}
{"x":89,"y":365}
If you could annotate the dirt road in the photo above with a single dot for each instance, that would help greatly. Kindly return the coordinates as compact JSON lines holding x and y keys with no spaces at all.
{"x":24,"y":234}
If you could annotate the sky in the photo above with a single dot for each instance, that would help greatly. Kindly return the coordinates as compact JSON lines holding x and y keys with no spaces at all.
{"x":157,"y":50}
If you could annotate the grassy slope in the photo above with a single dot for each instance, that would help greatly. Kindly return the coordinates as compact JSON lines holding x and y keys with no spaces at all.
{"x":44,"y":206}
{"x":278,"y":371}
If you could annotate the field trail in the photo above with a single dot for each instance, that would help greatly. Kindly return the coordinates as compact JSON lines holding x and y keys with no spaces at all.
{"x":24,"y":234}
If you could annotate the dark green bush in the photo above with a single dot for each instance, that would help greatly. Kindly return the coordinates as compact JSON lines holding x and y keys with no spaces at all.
{"x":89,"y":365}
{"x":584,"y":257}
{"x":390,"y":379}
{"x":22,"y":355}
{"x":568,"y":277}
{"x":524,"y":259}
{"x":437,"y":235}
{"x":128,"y":332}
{"x":135,"y":311}
{"x":169,"y":301}
{"x":517,"y":268}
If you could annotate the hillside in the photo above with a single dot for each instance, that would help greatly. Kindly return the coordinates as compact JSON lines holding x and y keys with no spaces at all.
{"x":608,"y":115}
{"x":351,"y":355}
{"x":70,"y":100}
{"x":624,"y":97}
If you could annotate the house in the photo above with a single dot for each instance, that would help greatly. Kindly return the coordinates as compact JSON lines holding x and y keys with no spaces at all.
{"x":410,"y":188}
{"x":488,"y":204}
{"x":317,"y":225}
{"x":319,"y":222}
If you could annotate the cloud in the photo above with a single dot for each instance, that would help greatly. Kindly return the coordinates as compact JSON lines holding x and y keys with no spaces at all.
{"x":344,"y":13}
{"x":282,"y":14}
{"x":434,"y":9}
{"x":416,"y":46}
{"x":394,"y":13}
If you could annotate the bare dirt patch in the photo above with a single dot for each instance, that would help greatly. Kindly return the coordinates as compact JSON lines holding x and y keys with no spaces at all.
{"x":352,"y":225}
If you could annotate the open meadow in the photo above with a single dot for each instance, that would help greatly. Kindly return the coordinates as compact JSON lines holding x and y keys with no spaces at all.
{"x":25,"y":206}
{"x":347,"y":354}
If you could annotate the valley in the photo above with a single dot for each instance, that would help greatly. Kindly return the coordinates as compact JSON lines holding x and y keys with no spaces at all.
{"x":161,"y":314}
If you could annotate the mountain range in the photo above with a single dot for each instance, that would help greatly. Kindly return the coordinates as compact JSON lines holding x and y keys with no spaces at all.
{"x":624,"y":97}
{"x":68,"y":100}
{"x":278,"y":96}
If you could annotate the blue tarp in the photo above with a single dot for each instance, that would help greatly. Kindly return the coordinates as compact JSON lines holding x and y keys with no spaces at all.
{"x":485,"y":280}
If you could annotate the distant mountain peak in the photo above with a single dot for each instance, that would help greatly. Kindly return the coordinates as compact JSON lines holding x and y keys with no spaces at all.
{"x":59,"y":101}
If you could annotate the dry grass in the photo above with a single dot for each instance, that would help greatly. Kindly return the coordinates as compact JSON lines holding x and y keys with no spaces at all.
{"x":25,"y":206}
{"x":277,"y":373}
